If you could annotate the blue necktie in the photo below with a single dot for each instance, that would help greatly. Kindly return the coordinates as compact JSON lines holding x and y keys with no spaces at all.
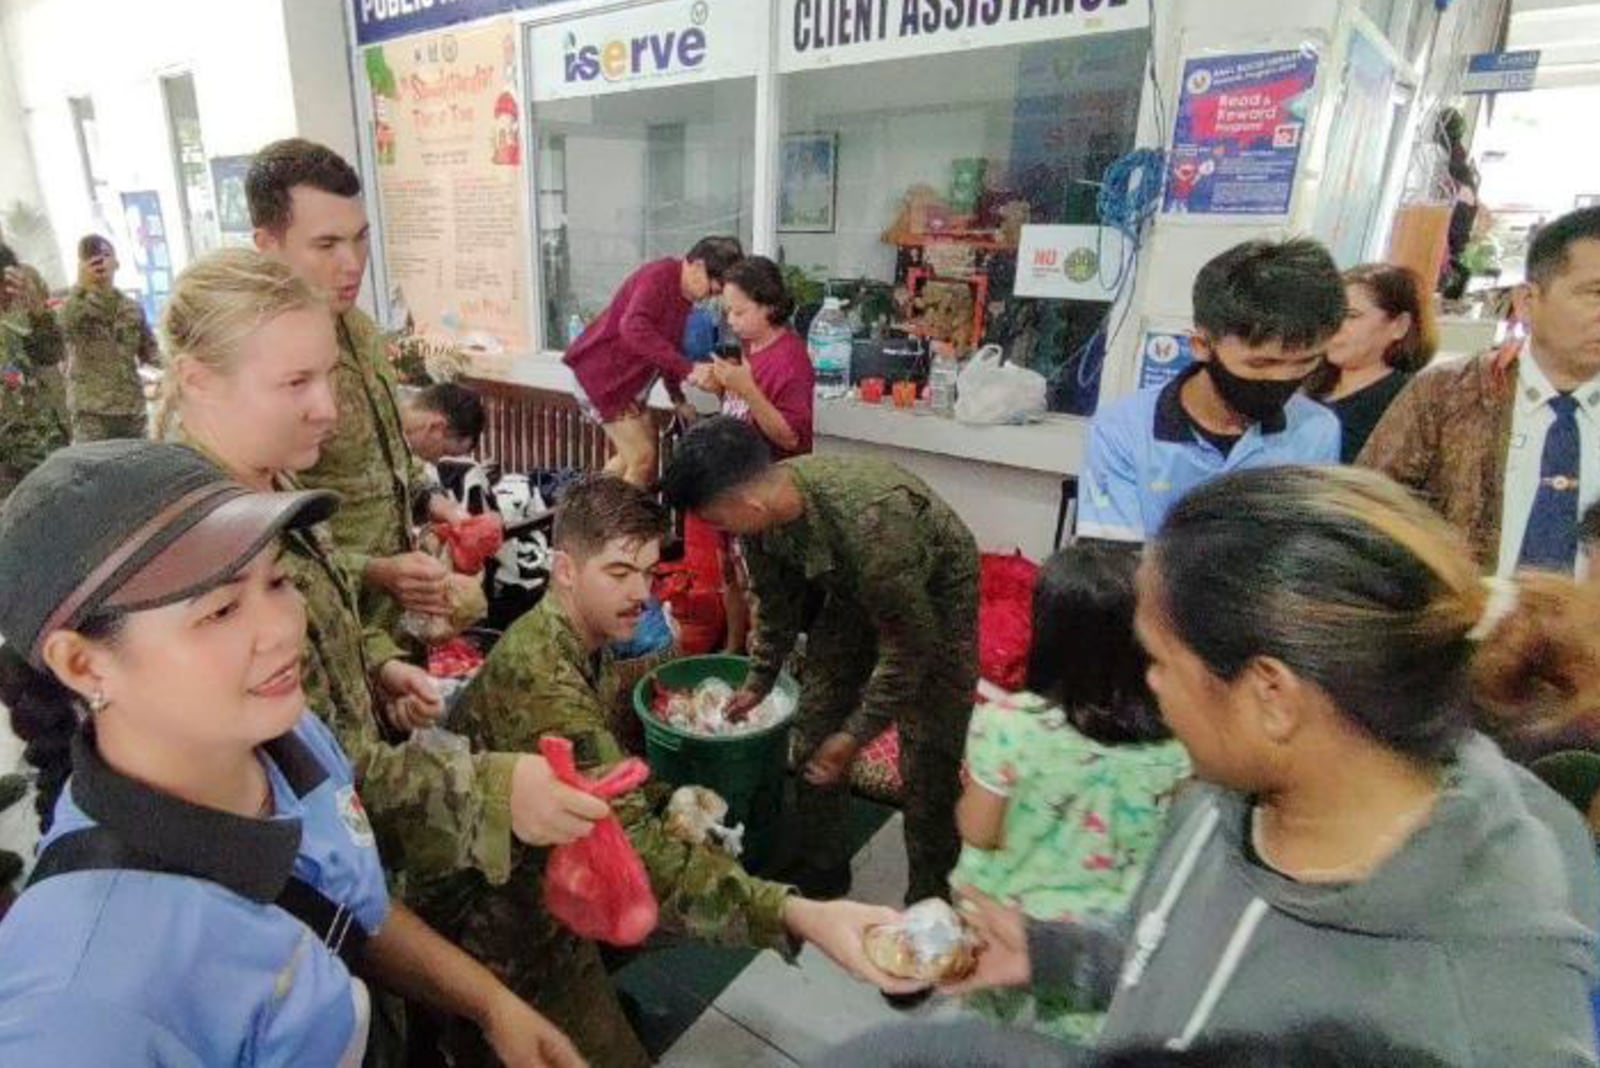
{"x":1551,"y":541}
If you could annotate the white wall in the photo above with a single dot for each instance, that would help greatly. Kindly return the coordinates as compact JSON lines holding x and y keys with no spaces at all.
{"x":315,"y":33}
{"x":115,"y":52}
{"x":19,"y":184}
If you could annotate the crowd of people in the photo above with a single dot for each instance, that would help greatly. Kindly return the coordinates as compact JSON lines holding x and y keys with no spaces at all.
{"x":1255,"y":806}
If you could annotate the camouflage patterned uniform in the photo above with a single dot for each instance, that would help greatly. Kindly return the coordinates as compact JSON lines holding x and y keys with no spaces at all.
{"x":435,"y":810}
{"x":32,"y":413}
{"x":107,"y":338}
{"x":541,"y":680}
{"x":895,"y":573}
{"x":368,"y":463}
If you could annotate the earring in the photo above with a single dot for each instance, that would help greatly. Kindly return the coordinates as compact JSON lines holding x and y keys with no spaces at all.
{"x":98,"y":703}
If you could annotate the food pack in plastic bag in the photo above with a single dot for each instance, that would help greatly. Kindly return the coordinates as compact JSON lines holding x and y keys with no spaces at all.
{"x":597,"y":886}
{"x":929,"y":942}
{"x":704,"y":709}
{"x":990,"y":391}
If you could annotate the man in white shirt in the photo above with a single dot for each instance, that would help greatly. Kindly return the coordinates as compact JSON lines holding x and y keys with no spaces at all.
{"x":1507,"y":444}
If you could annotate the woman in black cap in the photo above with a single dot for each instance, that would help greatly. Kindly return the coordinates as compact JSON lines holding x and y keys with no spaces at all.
{"x":207,"y":891}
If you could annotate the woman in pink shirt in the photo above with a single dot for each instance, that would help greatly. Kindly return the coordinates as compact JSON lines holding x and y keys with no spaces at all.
{"x":770,"y":386}
{"x":773,"y":384}
{"x":637,"y":340}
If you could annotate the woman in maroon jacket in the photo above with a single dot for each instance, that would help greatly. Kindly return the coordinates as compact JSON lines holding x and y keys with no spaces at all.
{"x":635,"y":341}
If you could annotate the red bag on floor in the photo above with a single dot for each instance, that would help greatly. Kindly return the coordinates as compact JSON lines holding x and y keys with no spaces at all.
{"x":597,"y":886}
{"x":472,"y":540}
{"x":1005,"y":618}
{"x":693,"y":587}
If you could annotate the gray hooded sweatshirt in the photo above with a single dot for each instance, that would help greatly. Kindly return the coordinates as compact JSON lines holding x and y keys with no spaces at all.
{"x":1475,"y":942}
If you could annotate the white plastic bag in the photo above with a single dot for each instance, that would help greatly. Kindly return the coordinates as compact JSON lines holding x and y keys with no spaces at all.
{"x":991,"y":392}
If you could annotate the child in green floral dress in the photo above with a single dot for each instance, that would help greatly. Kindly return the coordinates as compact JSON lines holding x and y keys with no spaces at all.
{"x":1068,"y":782}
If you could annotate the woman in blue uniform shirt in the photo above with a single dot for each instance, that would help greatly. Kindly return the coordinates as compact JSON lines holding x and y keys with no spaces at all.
{"x":207,"y":889}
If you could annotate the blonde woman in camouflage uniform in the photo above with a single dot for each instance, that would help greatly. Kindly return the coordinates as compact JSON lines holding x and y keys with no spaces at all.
{"x":32,"y":423}
{"x":107,"y":339}
{"x":249,"y":380}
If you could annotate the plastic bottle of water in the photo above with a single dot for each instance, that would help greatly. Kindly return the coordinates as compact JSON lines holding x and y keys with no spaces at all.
{"x":942,"y":374}
{"x":574,"y":327}
{"x":829,"y":344}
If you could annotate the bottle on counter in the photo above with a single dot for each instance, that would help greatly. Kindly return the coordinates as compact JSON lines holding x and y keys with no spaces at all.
{"x":942,"y":374}
{"x":574,"y":327}
{"x":829,"y":344}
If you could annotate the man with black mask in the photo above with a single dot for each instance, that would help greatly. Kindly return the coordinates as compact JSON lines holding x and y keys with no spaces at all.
{"x":1263,"y":312}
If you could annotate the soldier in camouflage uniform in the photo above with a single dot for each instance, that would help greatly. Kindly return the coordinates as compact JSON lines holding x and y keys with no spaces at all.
{"x":305,"y":202}
{"x":32,"y":415}
{"x":552,"y":674}
{"x":882,"y":577}
{"x":107,"y":338}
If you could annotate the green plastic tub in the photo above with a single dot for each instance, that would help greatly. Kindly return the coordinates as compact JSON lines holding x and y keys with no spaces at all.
{"x":746,"y":769}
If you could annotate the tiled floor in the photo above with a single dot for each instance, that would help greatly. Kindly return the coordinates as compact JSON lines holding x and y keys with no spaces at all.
{"x":778,"y":1014}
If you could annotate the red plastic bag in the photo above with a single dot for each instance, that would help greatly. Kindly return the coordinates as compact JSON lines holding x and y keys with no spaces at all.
{"x":693,"y":587}
{"x":472,"y":540}
{"x":455,"y":659}
{"x":1005,"y":618}
{"x":597,"y":885}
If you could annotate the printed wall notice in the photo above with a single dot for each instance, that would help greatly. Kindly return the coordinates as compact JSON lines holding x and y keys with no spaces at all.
{"x":1165,"y":354}
{"x":1071,"y":262}
{"x":1236,"y":139}
{"x":447,"y":142}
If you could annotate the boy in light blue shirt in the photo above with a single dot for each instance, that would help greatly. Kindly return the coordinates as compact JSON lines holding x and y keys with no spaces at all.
{"x":1262,"y":313}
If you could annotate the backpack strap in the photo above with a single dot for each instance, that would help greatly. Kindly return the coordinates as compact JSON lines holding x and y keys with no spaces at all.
{"x":99,"y":849}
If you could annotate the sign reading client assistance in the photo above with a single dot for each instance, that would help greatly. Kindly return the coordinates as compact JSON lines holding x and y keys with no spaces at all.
{"x":822,"y":33}
{"x":1236,"y":140}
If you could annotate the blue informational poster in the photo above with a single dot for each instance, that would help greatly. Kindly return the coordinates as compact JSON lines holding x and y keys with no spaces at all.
{"x":1236,"y":138}
{"x":1163,"y":357}
{"x":149,"y":251}
{"x":227,"y":179}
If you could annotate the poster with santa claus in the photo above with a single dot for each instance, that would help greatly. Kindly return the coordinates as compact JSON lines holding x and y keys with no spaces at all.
{"x":1237,"y":135}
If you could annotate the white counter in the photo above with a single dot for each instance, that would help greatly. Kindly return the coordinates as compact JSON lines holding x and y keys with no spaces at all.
{"x":1055,"y":446}
{"x":1005,"y":481}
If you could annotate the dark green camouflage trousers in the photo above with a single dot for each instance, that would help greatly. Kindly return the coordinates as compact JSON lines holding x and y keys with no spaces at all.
{"x":507,"y":929}
{"x":99,"y":426}
{"x":841,"y":653}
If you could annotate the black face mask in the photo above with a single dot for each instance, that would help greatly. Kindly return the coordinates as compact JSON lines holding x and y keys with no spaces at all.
{"x":1256,"y":399}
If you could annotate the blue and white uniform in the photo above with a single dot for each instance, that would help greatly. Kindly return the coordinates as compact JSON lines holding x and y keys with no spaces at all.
{"x":1146,"y":453}
{"x":135,"y":967}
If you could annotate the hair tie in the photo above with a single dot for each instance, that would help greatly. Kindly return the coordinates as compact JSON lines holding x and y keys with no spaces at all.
{"x":1502,"y":601}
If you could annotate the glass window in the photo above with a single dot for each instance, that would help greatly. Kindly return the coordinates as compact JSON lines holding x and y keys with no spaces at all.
{"x":189,"y":161}
{"x":904,"y":184}
{"x":88,"y":139}
{"x":631,"y":177}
